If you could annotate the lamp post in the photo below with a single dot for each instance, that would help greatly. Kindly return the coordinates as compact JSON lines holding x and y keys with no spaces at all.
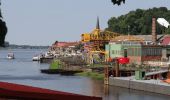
{"x":128,"y":29}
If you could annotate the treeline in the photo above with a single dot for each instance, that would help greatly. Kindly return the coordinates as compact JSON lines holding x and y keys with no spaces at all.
{"x":139,"y":22}
{"x":13,"y":46}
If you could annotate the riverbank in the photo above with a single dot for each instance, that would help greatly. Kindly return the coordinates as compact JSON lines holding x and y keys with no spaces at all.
{"x":94,"y":75}
{"x":87,"y":71}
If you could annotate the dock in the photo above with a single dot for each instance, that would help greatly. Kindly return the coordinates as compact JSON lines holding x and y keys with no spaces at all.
{"x":156,"y":72}
{"x":60,"y":71}
{"x":46,"y":60}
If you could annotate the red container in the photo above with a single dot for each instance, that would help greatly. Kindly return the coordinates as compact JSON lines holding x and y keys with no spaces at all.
{"x":123,"y":60}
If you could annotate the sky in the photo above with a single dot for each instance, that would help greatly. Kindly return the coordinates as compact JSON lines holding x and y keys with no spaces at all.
{"x":42,"y":22}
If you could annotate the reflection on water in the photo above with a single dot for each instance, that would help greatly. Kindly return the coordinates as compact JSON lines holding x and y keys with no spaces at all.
{"x":23,"y":70}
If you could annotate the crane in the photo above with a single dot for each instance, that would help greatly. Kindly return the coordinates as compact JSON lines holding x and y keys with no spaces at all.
{"x":94,"y":42}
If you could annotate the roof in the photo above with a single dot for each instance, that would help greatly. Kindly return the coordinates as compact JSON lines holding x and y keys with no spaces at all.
{"x":166,"y":40}
{"x":128,"y":38}
{"x":147,"y":37}
{"x":65,"y":44}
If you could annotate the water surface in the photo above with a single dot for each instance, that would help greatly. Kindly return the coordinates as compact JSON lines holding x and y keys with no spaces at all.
{"x":23,"y":70}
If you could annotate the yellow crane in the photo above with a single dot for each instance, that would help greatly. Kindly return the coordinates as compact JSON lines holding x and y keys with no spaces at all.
{"x":98,"y":38}
{"x":95,"y":41}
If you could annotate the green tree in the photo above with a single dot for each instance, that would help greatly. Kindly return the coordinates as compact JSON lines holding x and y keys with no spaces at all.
{"x":118,"y":2}
{"x":3,"y":30}
{"x":139,"y":21}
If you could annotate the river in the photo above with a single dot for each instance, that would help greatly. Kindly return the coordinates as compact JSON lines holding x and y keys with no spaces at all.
{"x":23,"y":70}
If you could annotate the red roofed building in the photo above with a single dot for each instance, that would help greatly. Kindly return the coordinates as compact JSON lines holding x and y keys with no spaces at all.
{"x":166,"y":40}
{"x":64,"y":44}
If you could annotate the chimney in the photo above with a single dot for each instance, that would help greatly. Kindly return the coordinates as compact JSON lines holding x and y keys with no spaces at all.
{"x":154,"y":35}
{"x":97,"y":24}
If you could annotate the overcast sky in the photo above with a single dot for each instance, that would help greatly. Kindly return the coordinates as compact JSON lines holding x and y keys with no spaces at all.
{"x":42,"y":22}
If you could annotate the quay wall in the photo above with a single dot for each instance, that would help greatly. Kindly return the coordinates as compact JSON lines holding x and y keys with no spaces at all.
{"x":46,"y":60}
{"x":142,"y":85}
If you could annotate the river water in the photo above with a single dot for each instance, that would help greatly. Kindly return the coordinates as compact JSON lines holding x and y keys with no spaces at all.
{"x":23,"y":70}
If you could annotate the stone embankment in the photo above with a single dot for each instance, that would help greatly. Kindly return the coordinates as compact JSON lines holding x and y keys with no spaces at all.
{"x":155,"y":86}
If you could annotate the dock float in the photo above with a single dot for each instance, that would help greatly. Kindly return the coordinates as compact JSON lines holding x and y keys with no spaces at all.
{"x":22,"y":92}
{"x":60,"y":71}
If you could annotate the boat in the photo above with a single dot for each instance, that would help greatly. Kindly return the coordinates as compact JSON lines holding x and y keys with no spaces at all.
{"x":14,"y":91}
{"x":10,"y":56}
{"x":36,"y":58}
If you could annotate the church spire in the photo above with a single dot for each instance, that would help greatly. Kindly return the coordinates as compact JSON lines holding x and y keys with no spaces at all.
{"x":97,"y":25}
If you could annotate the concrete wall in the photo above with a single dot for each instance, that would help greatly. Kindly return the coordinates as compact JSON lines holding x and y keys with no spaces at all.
{"x":139,"y":85}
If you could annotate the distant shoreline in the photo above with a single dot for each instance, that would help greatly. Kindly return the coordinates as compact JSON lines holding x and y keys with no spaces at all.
{"x":25,"y":47}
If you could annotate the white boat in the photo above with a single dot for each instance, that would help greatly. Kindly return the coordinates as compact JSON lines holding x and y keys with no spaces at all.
{"x":10,"y":56}
{"x":36,"y":58}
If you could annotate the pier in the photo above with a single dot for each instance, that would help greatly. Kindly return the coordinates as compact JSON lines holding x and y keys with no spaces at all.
{"x":151,"y":82}
{"x":155,"y":86}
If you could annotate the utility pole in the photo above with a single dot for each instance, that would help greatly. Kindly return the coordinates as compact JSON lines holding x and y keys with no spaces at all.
{"x":117,"y":68}
{"x":106,"y":75}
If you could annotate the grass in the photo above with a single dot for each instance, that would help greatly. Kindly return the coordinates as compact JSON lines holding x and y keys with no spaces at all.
{"x":55,"y":64}
{"x":93,"y":75}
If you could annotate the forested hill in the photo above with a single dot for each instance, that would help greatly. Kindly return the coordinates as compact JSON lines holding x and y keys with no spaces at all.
{"x":3,"y":30}
{"x":139,"y":21}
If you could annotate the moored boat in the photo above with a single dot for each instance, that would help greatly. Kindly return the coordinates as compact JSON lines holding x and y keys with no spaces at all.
{"x":10,"y":56}
{"x":36,"y":58}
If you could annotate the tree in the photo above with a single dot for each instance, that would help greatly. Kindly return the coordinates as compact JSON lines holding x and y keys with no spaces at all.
{"x":118,"y":2}
{"x":3,"y":30}
{"x":139,"y":21}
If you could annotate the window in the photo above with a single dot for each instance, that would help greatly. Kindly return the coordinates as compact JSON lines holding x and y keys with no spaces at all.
{"x":125,"y":52}
{"x":113,"y":52}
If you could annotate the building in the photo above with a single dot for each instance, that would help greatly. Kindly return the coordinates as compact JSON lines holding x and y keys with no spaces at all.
{"x":64,"y":44}
{"x":141,"y":48}
{"x":135,"y":51}
{"x":166,"y":40}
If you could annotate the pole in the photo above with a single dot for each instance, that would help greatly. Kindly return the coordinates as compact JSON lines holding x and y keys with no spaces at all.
{"x":117,"y":68}
{"x":106,"y":75}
